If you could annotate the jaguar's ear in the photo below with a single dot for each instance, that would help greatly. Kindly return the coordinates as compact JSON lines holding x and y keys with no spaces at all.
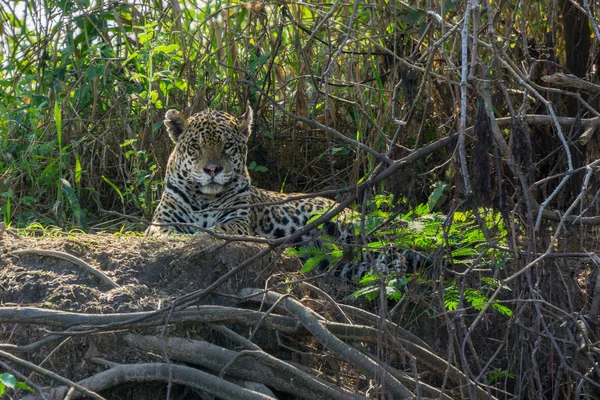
{"x":245,"y":121}
{"x":176,"y":124}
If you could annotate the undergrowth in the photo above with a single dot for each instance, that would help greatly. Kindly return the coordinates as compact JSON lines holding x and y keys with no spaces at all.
{"x":402,"y":247}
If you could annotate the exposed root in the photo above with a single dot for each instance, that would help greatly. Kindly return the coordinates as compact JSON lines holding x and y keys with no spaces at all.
{"x":151,"y":372}
{"x":269,"y":371}
{"x":327,"y":339}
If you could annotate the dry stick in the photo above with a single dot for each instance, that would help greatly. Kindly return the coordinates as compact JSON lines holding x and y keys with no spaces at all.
{"x":322,"y":334}
{"x":50,"y":374}
{"x":68,"y":257}
{"x":330,"y":300}
{"x":32,"y":346}
{"x":152,"y":372}
{"x":275,"y":373}
{"x":414,"y":345}
{"x":375,"y":320}
{"x":571,"y":81}
{"x":267,"y":313}
{"x":530,"y":86}
{"x":462,"y":125}
{"x":316,"y":124}
{"x":595,"y":307}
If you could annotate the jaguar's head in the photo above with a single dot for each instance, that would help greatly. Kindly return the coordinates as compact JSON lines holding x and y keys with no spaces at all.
{"x":210,"y":148}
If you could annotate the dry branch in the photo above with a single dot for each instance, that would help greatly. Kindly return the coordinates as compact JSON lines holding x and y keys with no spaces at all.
{"x":278,"y":374}
{"x":572,"y":82}
{"x":127,"y":373}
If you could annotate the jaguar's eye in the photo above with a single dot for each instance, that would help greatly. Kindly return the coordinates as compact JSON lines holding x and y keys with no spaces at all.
{"x":227,"y":148}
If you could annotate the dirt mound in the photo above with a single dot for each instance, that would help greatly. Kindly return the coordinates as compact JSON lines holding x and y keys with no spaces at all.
{"x":149,"y":272}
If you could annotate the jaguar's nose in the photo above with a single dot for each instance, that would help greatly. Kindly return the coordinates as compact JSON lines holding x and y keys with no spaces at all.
{"x":213,"y":169}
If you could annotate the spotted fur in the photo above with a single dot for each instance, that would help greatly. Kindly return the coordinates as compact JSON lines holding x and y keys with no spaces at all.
{"x":207,"y":171}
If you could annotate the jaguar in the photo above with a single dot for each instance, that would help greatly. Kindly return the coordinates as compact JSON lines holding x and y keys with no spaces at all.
{"x":207,"y":184}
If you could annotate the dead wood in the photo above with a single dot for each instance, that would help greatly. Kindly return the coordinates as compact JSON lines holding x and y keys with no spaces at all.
{"x":326,"y":338}
{"x":572,"y":82}
{"x":277,"y":373}
{"x":127,"y":373}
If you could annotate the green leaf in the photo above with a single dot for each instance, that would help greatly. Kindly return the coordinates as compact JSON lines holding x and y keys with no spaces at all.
{"x":74,"y":203}
{"x":23,"y":386}
{"x":180,"y":84}
{"x":77,"y":169}
{"x":503,"y":309}
{"x":365,"y":291}
{"x":464,"y":252}
{"x":58,"y":122}
{"x":311,"y":263}
{"x":438,"y":191}
{"x":116,"y":189}
{"x":166,"y":48}
{"x":156,"y":125}
{"x":293,"y":252}
{"x":450,"y":305}
{"x":8,"y":380}
{"x":130,"y":141}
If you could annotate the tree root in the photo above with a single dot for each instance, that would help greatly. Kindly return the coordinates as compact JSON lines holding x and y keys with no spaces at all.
{"x":203,"y":313}
{"x":327,"y":339}
{"x":417,"y":348}
{"x":253,"y":364}
{"x":126,"y":373}
{"x":269,"y":371}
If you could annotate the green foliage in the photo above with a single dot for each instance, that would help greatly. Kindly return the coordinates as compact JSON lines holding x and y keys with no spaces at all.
{"x":422,"y":231}
{"x":9,"y":381}
{"x":476,"y":298}
{"x":497,"y":374}
{"x":371,"y":283}
{"x":314,"y":255}
{"x":257,"y":168}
